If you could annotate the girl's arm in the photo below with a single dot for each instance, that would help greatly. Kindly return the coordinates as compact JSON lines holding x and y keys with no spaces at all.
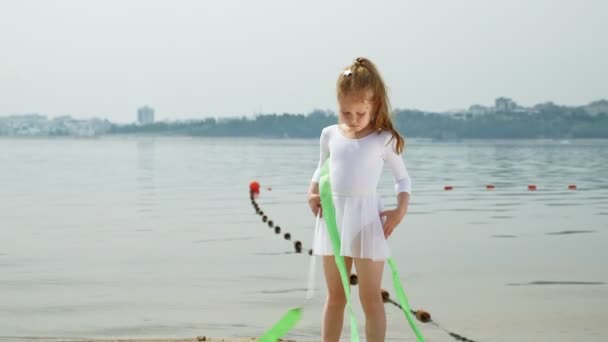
{"x":314,"y":200}
{"x":403,"y":187}
{"x":395,"y":162}
{"x":403,"y":201}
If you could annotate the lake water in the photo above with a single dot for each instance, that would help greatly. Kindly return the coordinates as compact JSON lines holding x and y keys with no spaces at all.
{"x":156,"y":237}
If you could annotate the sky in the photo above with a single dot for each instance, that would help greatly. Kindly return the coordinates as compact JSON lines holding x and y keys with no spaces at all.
{"x":197,"y":59}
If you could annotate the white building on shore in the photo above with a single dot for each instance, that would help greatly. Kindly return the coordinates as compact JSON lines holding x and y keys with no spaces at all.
{"x":145,"y":115}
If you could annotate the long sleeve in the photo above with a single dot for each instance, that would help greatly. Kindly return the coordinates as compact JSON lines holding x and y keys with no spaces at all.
{"x":395,"y":162}
{"x":323,"y":155}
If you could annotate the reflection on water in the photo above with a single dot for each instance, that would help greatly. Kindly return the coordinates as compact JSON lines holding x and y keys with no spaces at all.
{"x":146,"y":187}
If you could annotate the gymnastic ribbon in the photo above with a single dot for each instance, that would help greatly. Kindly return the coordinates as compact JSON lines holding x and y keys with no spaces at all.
{"x":282,"y":327}
{"x":329,"y":215}
{"x":405,"y":307}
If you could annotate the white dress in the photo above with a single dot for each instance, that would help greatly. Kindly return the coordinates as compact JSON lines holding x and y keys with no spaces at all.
{"x":355,"y":170}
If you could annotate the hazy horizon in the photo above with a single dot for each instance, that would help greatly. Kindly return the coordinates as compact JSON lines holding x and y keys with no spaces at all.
{"x":192,"y":60}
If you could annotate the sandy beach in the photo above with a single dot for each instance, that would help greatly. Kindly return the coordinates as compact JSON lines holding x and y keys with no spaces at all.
{"x":192,"y":339}
{"x":195,"y":339}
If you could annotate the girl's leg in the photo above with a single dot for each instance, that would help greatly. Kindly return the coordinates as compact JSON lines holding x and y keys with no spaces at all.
{"x":333,"y":314}
{"x":369,"y":273}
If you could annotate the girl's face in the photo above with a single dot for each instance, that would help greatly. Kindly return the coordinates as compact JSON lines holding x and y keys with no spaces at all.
{"x":355,"y":112}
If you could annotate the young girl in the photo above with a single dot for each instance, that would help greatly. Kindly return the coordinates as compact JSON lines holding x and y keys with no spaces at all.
{"x":358,"y":146}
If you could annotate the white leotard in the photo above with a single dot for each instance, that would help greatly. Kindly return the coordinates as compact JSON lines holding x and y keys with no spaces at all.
{"x":355,"y":170}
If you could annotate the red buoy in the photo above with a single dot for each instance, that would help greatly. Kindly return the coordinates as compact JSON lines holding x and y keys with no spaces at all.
{"x":531,"y":187}
{"x":254,"y":187}
{"x":572,"y":186}
{"x":490,"y":186}
{"x":448,"y":187}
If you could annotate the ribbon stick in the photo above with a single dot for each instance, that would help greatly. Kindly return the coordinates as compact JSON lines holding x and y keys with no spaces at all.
{"x":310,"y":292}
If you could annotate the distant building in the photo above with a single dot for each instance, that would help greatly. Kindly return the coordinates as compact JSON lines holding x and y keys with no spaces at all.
{"x":478,"y":110}
{"x":597,"y":107}
{"x":503,"y":104}
{"x":545,"y":107}
{"x":145,"y":115}
{"x":38,"y":125}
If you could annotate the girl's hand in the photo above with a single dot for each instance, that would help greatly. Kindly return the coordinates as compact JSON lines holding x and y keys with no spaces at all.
{"x":314,"y":201}
{"x":393,"y":218}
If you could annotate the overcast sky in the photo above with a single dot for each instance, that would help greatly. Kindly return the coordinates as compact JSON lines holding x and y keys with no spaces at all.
{"x":195,"y":59}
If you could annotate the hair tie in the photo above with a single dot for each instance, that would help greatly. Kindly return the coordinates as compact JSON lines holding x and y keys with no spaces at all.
{"x":347,"y":72}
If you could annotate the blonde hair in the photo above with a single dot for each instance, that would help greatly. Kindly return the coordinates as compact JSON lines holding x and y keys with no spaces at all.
{"x":362,"y":78}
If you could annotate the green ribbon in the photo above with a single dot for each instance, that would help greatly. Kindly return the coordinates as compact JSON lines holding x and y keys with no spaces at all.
{"x":403,"y":300}
{"x":289,"y":320}
{"x":282,"y":327}
{"x":329,"y":214}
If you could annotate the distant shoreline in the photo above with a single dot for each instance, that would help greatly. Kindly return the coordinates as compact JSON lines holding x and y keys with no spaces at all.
{"x":508,"y":121}
{"x":408,"y":138}
{"x":192,"y":339}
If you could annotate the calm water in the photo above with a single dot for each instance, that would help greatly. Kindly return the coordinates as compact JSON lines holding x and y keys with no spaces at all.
{"x":137,"y":237}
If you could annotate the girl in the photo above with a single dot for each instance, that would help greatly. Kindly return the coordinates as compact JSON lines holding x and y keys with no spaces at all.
{"x":358,"y":146}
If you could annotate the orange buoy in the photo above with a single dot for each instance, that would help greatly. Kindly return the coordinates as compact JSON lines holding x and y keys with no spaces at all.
{"x":490,"y":186}
{"x":448,"y":187}
{"x":254,"y":187}
{"x":572,"y":187}
{"x":531,"y":187}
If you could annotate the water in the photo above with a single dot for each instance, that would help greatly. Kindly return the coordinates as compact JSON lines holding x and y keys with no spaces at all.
{"x":156,"y":237}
